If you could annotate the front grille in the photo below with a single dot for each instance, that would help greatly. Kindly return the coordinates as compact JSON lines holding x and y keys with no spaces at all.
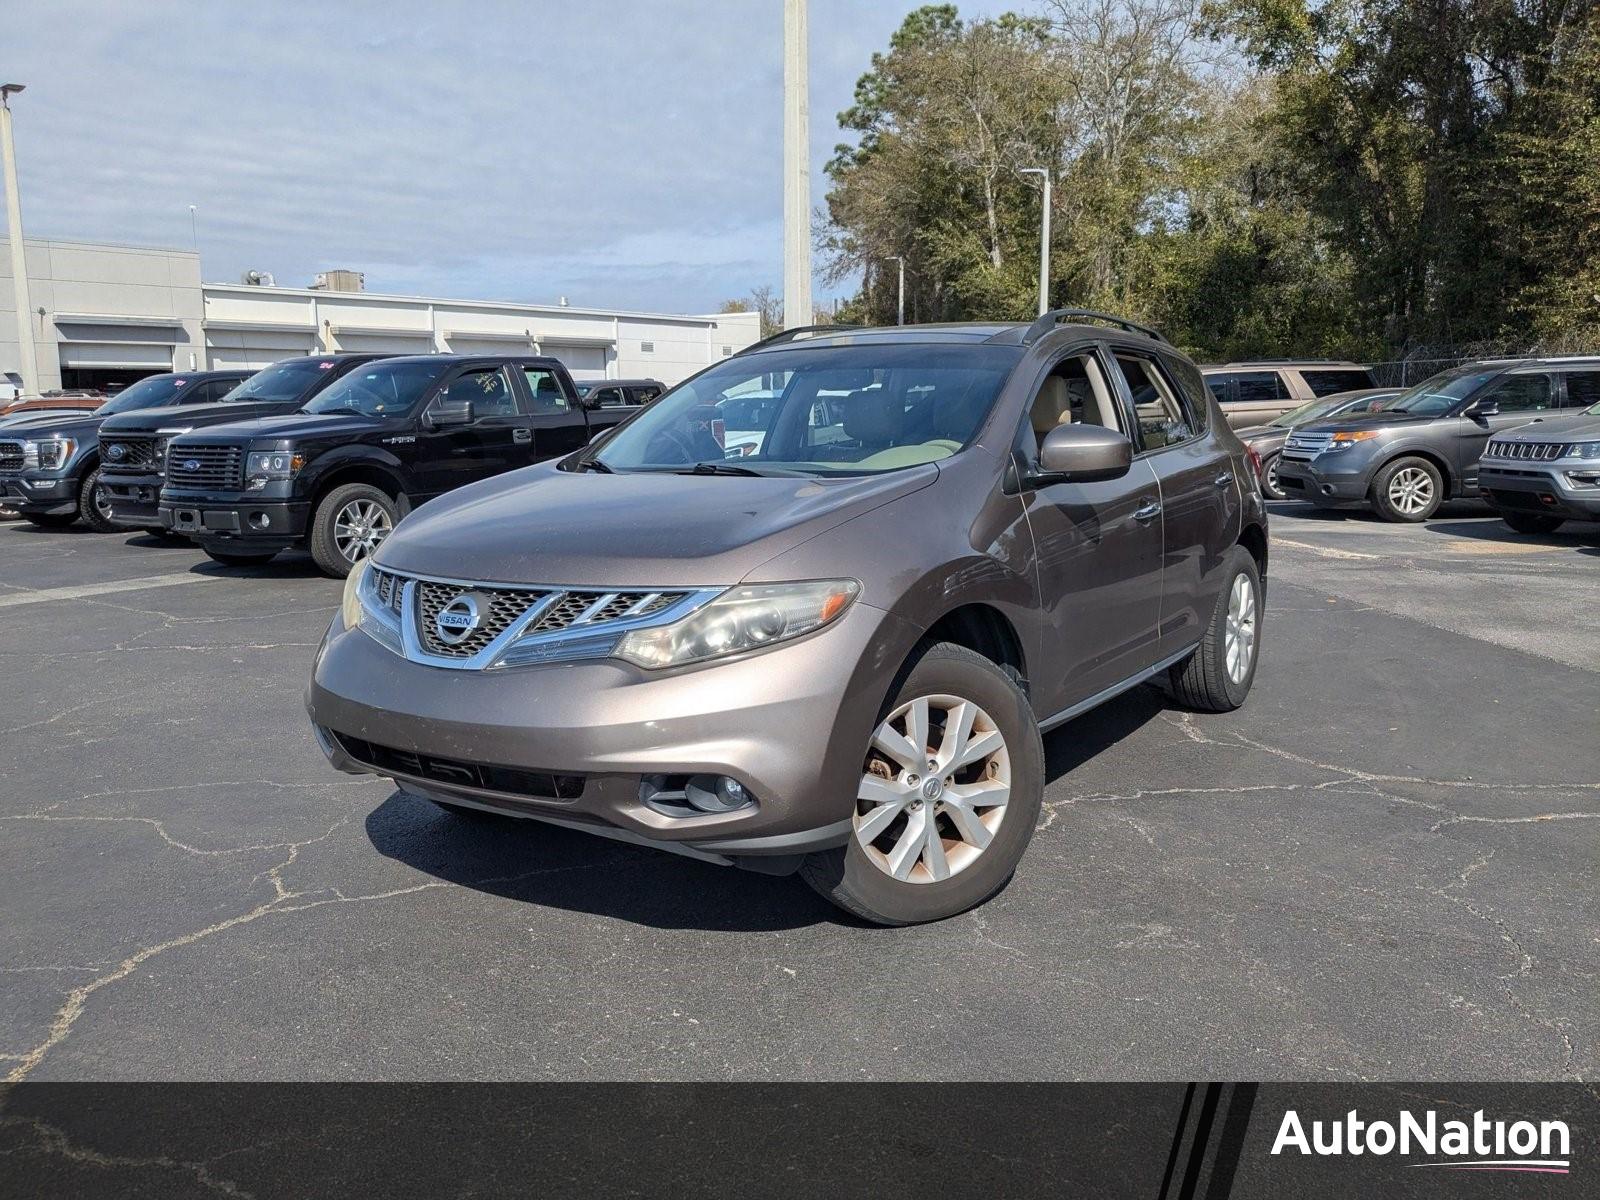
{"x":197,"y":465}
{"x":497,"y":608}
{"x":390,"y":590}
{"x":131,"y":453}
{"x":1303,"y":447}
{"x":538,"y":785}
{"x":1526,"y":451}
{"x":10,"y":456}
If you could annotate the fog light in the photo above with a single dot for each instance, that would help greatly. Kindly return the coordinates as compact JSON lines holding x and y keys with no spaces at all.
{"x":715,"y":793}
{"x":1584,"y":478}
{"x":260,"y":520}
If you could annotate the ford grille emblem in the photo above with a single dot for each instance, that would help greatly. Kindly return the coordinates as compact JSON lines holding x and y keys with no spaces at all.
{"x":191,"y":464}
{"x":116,"y":450}
{"x":457,"y":620}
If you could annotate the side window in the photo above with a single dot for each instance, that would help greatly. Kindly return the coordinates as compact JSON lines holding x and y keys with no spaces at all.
{"x":1327,"y":383}
{"x":1521,"y":393}
{"x":488,"y":390}
{"x":1218,"y":384}
{"x":1583,"y":388}
{"x":643,"y":395}
{"x":1260,"y":386}
{"x":546,"y":391}
{"x":1193,"y":386}
{"x":1163,"y":418}
{"x":1075,"y":392}
{"x":609,"y":397}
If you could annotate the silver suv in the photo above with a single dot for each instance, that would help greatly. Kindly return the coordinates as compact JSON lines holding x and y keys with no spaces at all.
{"x":1545,"y":473}
{"x":832,"y":648}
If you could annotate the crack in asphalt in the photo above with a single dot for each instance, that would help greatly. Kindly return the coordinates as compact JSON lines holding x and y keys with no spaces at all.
{"x":50,"y":1140}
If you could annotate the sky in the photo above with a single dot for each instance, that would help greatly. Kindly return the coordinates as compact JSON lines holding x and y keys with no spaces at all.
{"x":620,"y":153}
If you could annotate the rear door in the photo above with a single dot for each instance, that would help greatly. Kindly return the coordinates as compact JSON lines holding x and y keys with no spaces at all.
{"x":555,"y":418}
{"x":1255,"y":397}
{"x":1520,"y":396}
{"x":495,"y":440}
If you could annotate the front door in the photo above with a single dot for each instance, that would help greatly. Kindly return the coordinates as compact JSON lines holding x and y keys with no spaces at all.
{"x":1518,"y":397}
{"x":495,"y":440}
{"x":554,"y":416}
{"x":1097,"y":548}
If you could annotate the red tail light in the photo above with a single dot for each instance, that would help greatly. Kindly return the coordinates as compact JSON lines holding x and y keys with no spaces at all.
{"x":1255,"y":460}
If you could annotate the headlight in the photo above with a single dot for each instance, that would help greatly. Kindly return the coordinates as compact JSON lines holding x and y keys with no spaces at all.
{"x":1584,"y":450}
{"x":743,"y":618}
{"x":263,"y":468}
{"x":56,"y":452}
{"x":1343,"y":441}
{"x":350,"y":603}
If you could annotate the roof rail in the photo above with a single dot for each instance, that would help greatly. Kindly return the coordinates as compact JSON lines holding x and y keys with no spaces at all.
{"x":789,"y":335}
{"x":1055,"y":316}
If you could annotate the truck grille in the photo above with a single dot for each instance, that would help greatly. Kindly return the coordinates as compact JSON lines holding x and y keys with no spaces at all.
{"x":133,"y":454}
{"x":1303,"y":447}
{"x":10,"y":456}
{"x":194,"y":465}
{"x":1526,"y":451}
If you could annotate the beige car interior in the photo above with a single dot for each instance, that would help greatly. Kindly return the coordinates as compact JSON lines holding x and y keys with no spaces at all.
{"x":1075,"y":392}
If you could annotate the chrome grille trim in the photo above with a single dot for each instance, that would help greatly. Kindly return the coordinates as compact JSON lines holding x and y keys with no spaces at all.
{"x":528,"y":623}
{"x":12,"y":457}
{"x":1525,"y":451}
{"x":1305,"y":446}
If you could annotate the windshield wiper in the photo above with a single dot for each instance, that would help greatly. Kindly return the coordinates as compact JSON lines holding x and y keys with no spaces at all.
{"x":592,"y":464}
{"x":719,"y":468}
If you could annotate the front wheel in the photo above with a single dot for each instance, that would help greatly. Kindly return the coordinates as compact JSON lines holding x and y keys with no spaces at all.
{"x":1408,"y":490}
{"x":1531,"y":522}
{"x":349,"y":525}
{"x":1270,"y":487}
{"x":1217,"y":676}
{"x":94,"y":505}
{"x":950,"y":789}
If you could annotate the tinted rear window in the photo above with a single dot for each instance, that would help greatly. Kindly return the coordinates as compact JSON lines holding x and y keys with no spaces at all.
{"x":1326,"y":383}
{"x":1257,"y":386}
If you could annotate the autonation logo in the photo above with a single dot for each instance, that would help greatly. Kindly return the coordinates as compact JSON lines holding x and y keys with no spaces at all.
{"x":1476,"y":1145}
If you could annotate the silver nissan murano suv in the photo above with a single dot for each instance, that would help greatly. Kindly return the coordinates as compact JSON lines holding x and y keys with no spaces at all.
{"x":829,"y":644}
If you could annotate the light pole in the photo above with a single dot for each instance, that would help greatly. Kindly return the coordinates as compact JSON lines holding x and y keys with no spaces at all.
{"x":194,"y":230}
{"x":1044,"y":238}
{"x":27,"y":357}
{"x":900,"y":301}
{"x":796,"y":169}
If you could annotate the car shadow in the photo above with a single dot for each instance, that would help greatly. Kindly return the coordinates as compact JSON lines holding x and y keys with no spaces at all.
{"x":1576,"y":535}
{"x":1069,"y":746}
{"x":290,"y":564}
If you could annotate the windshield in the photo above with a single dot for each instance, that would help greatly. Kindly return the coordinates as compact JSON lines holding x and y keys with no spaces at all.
{"x":1308,"y":411}
{"x":820,"y":411}
{"x":155,"y":392}
{"x":285,"y":381}
{"x":380,"y":389}
{"x":1436,"y":396}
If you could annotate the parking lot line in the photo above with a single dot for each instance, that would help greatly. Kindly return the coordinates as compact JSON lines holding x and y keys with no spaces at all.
{"x":1325,"y":551}
{"x":49,"y":595}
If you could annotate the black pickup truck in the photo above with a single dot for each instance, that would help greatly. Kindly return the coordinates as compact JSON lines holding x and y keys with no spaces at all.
{"x":133,"y":445}
{"x":338,"y":475}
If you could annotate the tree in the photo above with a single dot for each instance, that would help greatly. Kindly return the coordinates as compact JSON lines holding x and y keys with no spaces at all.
{"x":761,"y":300}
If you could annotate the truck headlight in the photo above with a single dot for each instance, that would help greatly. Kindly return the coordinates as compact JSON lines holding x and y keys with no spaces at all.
{"x":268,"y":466}
{"x":55,"y":452}
{"x":742,"y":618}
{"x":350,"y":603}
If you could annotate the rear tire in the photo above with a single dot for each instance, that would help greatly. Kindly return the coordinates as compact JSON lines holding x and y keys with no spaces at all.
{"x":50,"y":520}
{"x":93,"y":506}
{"x":1531,"y":522}
{"x":349,"y":525}
{"x":229,"y":559}
{"x":1215,"y":678}
{"x":1407,"y":490}
{"x":940,"y":826}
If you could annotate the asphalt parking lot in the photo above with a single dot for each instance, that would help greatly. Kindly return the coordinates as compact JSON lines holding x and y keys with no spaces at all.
{"x":1383,"y":867}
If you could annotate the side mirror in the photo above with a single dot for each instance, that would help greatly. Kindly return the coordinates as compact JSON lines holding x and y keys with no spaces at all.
{"x":450,"y":412}
{"x":1082,"y":454}
{"x":1487,"y":407}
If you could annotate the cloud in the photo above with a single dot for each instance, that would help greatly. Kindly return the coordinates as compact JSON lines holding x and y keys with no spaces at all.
{"x":620,"y":152}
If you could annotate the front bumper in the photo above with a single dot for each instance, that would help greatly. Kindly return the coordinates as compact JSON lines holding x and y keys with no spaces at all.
{"x":133,"y":498}
{"x":35,"y":494}
{"x":1543,"y":489}
{"x":231,"y":519}
{"x":791,"y":724}
{"x":1342,"y":477}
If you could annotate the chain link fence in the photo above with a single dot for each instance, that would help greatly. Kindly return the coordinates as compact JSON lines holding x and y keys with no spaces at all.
{"x":1421,"y":361}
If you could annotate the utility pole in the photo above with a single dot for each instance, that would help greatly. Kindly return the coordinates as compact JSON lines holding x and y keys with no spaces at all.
{"x":900,"y":297}
{"x":1044,"y":238}
{"x":796,"y":169}
{"x":27,"y":356}
{"x":194,"y":230}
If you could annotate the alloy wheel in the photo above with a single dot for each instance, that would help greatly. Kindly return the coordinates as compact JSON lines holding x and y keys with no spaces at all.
{"x":1239,"y":631}
{"x":1274,"y":492}
{"x":359,"y":529}
{"x":101,"y":501}
{"x":933,"y":790}
{"x":1411,"y":490}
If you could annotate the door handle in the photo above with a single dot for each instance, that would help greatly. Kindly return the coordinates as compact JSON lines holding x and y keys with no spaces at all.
{"x":1224,"y":479}
{"x":1148,"y":511}
{"x":522,"y":435}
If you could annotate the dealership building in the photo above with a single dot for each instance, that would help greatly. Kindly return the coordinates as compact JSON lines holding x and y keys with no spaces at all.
{"x":106,"y":315}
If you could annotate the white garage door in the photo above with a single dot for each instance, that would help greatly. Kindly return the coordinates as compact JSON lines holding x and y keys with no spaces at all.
{"x":583,"y":362}
{"x":383,"y":343}
{"x":251,"y":349}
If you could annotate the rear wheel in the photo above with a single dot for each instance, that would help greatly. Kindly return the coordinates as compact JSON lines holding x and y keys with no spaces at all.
{"x":1408,"y":489}
{"x":349,"y":525}
{"x":230,"y":559}
{"x":1217,"y":677}
{"x":948,"y":797}
{"x":94,"y":505}
{"x":50,"y":520}
{"x":1531,"y":522}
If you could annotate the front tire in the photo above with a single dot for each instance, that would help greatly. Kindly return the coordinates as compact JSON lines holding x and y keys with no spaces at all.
{"x":1407,"y":490}
{"x":950,"y":791}
{"x":1531,"y":522}
{"x":1270,"y":488}
{"x":94,"y":506}
{"x":1217,"y":676}
{"x":349,"y":525}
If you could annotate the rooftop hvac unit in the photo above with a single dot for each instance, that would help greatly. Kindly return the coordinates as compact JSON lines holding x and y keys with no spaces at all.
{"x":257,"y":278}
{"x":340,"y":281}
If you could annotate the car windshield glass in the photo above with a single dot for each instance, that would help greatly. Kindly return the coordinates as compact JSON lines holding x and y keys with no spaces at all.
{"x":380,"y":389}
{"x":147,"y":393}
{"x":1436,"y":396}
{"x":285,"y":381}
{"x":1308,"y":411}
{"x":820,"y":410}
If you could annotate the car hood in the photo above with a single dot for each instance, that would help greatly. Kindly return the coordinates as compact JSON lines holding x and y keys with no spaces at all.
{"x":641,"y":529}
{"x":293,"y":425}
{"x":179,"y":416}
{"x":1369,"y":420}
{"x":1579,"y":428}
{"x":73,"y":425}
